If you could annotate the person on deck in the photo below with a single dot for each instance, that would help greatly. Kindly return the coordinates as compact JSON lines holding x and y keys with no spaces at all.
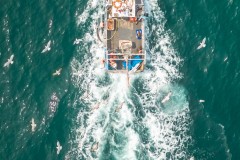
{"x":112,"y":62}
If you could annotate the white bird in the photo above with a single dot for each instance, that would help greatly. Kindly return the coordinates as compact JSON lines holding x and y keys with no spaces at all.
{"x":33,"y":124}
{"x":57,"y":72}
{"x":78,"y":73}
{"x":96,"y":106}
{"x":9,"y":61}
{"x":201,"y":101}
{"x":202,"y":44}
{"x":119,"y":107}
{"x":94,"y":147}
{"x":47,"y":47}
{"x":165,"y":99}
{"x":59,"y":147}
{"x":77,"y":41}
{"x":85,"y":95}
{"x":225,"y":59}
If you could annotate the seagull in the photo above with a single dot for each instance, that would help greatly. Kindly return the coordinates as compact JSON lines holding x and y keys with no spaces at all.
{"x":201,"y":101}
{"x":78,"y":73}
{"x":57,"y":72}
{"x":9,"y":61}
{"x":47,"y":47}
{"x":202,"y":44}
{"x":225,"y":59}
{"x":165,"y":99}
{"x":94,"y":147}
{"x":96,"y":106}
{"x":119,"y":107}
{"x":77,"y":41}
{"x":33,"y":124}
{"x":59,"y":147}
{"x":85,"y":95}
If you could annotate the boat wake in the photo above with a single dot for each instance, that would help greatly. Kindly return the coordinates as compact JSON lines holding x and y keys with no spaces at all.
{"x":115,"y":121}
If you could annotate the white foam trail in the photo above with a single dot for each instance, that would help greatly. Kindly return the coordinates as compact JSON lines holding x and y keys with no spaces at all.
{"x":168,"y":128}
{"x":91,"y":6}
{"x":225,"y":143}
{"x":168,"y":124}
{"x":107,"y":91}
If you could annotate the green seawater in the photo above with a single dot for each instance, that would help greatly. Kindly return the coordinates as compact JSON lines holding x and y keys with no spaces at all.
{"x":211,"y":73}
{"x":209,"y":130}
{"x":27,"y":85}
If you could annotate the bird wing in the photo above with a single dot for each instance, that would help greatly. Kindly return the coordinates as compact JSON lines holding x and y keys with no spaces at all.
{"x":44,"y":50}
{"x":6,"y":64}
{"x":11,"y":58}
{"x":48,"y":44}
{"x":46,"y":47}
{"x":200,"y":46}
{"x":204,"y":40}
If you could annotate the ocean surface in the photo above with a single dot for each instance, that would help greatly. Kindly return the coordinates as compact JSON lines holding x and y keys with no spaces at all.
{"x":85,"y":107}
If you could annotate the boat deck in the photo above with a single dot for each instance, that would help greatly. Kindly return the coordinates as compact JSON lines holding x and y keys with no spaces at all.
{"x":125,"y":38}
{"x":124,"y":30}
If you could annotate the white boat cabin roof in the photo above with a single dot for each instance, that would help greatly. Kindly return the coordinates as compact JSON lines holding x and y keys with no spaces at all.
{"x":123,"y":8}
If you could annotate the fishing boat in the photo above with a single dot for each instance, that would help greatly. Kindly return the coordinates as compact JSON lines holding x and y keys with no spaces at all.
{"x":122,"y":28}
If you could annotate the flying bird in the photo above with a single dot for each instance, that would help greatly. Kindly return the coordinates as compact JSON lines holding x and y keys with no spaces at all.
{"x":94,"y":147}
{"x":33,"y":124}
{"x":202,"y":44}
{"x":78,"y":73}
{"x":57,"y":72}
{"x":59,"y":147}
{"x":165,"y":99}
{"x":119,"y":107}
{"x":47,"y":47}
{"x":9,"y":61}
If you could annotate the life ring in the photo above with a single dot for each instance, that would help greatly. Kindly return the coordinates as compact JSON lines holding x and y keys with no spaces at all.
{"x":117,"y":4}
